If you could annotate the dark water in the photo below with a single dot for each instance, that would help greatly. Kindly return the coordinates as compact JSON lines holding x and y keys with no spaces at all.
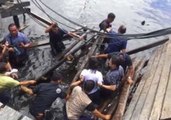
{"x":130,"y":13}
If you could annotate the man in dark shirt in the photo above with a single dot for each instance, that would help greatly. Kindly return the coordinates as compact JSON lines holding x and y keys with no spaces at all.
{"x":116,"y":43}
{"x":46,"y":93}
{"x":107,"y":22}
{"x":125,"y":62}
{"x":56,"y":35}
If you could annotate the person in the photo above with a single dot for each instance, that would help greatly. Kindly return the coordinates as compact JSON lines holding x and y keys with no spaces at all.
{"x":79,"y":101}
{"x":46,"y":94}
{"x":7,"y":82}
{"x":116,"y":43}
{"x":56,"y":35}
{"x":107,"y":22}
{"x":18,"y":44}
{"x":113,"y":77}
{"x":92,"y":73}
{"x":125,"y":60}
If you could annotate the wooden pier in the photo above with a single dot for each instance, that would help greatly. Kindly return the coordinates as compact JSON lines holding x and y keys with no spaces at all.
{"x":7,"y":113}
{"x":152,"y":97}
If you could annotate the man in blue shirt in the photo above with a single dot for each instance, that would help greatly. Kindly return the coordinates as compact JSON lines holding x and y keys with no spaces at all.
{"x":116,"y":43}
{"x":17,"y":43}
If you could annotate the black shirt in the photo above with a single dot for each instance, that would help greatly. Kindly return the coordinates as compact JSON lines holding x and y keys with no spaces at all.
{"x":104,"y":25}
{"x":127,"y":62}
{"x":46,"y":94}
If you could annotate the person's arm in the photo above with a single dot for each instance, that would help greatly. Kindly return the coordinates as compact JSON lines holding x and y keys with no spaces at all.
{"x":130,"y":74}
{"x":124,"y":45}
{"x":28,"y":82}
{"x":102,"y":56}
{"x":49,"y":28}
{"x":72,"y":34}
{"x":100,"y":115}
{"x":108,"y":87}
{"x":26,"y":90}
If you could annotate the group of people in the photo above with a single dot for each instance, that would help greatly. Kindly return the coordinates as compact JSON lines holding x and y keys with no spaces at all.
{"x":85,"y":93}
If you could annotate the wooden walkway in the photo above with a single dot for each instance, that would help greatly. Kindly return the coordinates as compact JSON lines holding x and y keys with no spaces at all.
{"x":7,"y":113}
{"x":152,"y":99}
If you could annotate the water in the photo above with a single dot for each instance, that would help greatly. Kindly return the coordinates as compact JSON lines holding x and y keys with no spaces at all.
{"x":130,"y":13}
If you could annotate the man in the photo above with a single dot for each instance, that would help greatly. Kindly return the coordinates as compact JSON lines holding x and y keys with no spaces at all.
{"x":92,"y":73}
{"x":46,"y":94}
{"x":7,"y":82}
{"x":56,"y":35}
{"x":125,"y":62}
{"x":116,"y":43}
{"x":79,"y":101}
{"x":107,"y":22}
{"x":114,"y":76}
{"x":18,"y":44}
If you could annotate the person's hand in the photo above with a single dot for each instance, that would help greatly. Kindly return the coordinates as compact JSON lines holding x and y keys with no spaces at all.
{"x":130,"y":81}
{"x":107,"y":117}
{"x":10,"y":49}
{"x":81,"y":37}
{"x":100,"y":84}
{"x":32,"y":81}
{"x":22,"y":45}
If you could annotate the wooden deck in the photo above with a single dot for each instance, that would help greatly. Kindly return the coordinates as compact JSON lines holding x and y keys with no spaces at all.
{"x":7,"y":113}
{"x":152,"y":99}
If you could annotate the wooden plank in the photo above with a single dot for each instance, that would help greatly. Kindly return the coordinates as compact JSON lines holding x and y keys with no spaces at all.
{"x":148,"y":103}
{"x":12,"y":12}
{"x":136,"y":96}
{"x":146,"y":87}
{"x":166,"y":110}
{"x":8,"y":113}
{"x":158,"y":102}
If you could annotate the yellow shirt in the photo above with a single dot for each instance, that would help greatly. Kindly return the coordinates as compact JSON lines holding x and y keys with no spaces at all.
{"x":7,"y":82}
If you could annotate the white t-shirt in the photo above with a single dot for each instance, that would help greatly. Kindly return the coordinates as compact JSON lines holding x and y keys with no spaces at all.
{"x":77,"y":103}
{"x":94,"y":75}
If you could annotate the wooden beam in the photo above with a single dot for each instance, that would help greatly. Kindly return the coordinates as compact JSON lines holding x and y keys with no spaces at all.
{"x":8,"y":13}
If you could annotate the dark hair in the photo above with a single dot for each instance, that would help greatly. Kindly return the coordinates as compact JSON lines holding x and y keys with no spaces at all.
{"x":3,"y":68}
{"x":56,"y":76}
{"x":93,"y":63}
{"x":111,"y":15}
{"x":116,"y":60}
{"x":11,"y":25}
{"x":88,"y":85}
{"x":122,"y":29}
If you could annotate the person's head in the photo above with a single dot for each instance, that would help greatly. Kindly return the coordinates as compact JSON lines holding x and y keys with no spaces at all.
{"x":110,"y":17}
{"x":114,"y":62}
{"x":93,"y":64}
{"x":56,"y":77}
{"x":13,"y":29}
{"x":55,"y":27}
{"x":122,"y":29}
{"x":88,"y":86}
